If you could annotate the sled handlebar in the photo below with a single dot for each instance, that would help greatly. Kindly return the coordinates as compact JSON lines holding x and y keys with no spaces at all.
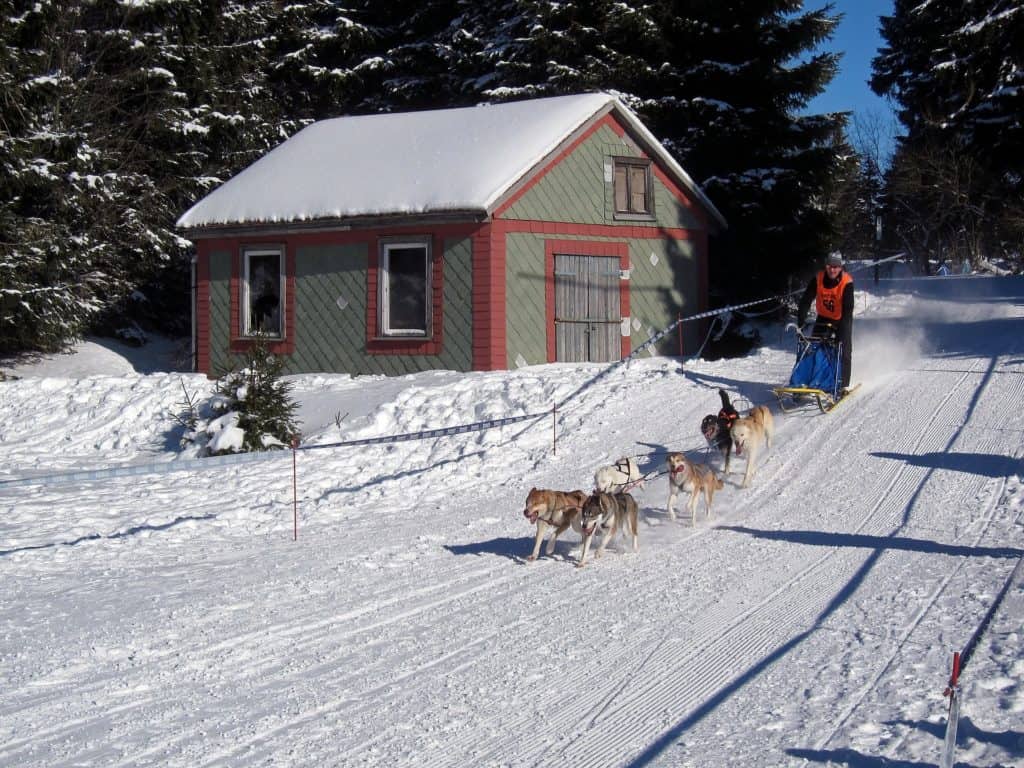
{"x":808,"y":338}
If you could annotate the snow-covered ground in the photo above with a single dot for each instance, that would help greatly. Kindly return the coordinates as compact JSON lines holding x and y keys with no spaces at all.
{"x":171,"y":620}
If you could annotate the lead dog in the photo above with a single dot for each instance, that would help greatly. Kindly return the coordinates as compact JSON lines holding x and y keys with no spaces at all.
{"x":553,"y":508}
{"x":716,"y":429}
{"x":748,"y":432}
{"x":610,"y":512}
{"x":619,"y":477}
{"x":685,"y":475}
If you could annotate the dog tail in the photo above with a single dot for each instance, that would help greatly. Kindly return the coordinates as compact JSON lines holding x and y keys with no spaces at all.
{"x":725,"y":399}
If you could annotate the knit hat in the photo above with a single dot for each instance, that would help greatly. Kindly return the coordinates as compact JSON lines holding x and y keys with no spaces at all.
{"x":834,"y":259}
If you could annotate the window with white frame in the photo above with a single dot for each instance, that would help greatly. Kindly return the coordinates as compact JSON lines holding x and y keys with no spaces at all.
{"x":404,"y":287}
{"x":633,"y":192}
{"x":263,"y":292}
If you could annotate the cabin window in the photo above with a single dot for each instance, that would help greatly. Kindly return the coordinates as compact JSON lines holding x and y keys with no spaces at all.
{"x":263,"y":292}
{"x":404,"y":288}
{"x":633,"y":188}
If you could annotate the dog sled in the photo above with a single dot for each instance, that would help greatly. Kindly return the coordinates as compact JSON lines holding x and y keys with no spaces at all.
{"x":816,"y":377}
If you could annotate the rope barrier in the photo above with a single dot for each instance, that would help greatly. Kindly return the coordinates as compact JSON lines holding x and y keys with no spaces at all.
{"x":478,"y":426}
{"x":134,"y":470}
{"x":188,"y":465}
{"x":212,"y":462}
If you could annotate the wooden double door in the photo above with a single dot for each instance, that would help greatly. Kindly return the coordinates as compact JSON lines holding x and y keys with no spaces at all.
{"x":587,"y":320}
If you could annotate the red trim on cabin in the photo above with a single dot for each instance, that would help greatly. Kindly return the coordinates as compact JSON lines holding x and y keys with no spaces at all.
{"x":581,"y":248}
{"x":202,"y":319}
{"x":624,"y":232}
{"x":240,"y":344}
{"x":490,"y":351}
{"x":384,"y":345}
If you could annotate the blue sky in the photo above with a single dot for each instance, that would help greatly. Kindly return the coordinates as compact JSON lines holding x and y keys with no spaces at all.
{"x":858,"y":39}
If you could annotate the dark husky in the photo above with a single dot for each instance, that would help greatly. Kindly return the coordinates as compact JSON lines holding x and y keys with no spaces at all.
{"x":610,"y":512}
{"x":716,"y":428}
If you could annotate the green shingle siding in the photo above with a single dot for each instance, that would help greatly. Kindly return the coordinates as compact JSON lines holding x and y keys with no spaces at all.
{"x":221,"y":361}
{"x":457,"y":354}
{"x":669,"y":211}
{"x":526,"y":324}
{"x":330,"y":337}
{"x":575,"y":191}
{"x":572,"y":191}
{"x":658,"y":293}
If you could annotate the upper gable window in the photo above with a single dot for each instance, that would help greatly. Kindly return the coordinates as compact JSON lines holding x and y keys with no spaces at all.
{"x":633,"y":190}
{"x":404,"y":288}
{"x":263,"y":292}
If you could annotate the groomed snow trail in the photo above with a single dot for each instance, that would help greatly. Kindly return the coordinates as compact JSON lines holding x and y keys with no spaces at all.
{"x":172,"y":621}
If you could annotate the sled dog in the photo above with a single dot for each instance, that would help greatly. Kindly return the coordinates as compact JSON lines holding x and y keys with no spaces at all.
{"x":609,"y":512}
{"x":748,"y":432}
{"x":716,"y":428}
{"x":686,"y":476}
{"x":619,"y":477}
{"x":557,"y":509}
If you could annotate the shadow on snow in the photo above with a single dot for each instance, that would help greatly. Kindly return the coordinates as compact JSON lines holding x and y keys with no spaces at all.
{"x":984,"y":464}
{"x":878,"y":543}
{"x":134,"y":531}
{"x":1010,"y":741}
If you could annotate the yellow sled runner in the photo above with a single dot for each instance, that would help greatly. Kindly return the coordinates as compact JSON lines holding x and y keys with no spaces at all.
{"x":795,"y":398}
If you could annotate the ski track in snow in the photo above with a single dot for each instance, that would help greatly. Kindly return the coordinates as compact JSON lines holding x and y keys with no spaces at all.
{"x":171,"y":621}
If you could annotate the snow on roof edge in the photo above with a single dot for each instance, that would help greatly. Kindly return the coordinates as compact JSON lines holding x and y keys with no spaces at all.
{"x":564,"y":115}
{"x":614,"y":103}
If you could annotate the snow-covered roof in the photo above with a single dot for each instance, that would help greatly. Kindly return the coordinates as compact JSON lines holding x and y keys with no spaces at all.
{"x":449,"y":160}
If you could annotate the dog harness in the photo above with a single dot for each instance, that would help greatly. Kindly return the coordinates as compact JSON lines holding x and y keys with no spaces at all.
{"x":829,"y":302}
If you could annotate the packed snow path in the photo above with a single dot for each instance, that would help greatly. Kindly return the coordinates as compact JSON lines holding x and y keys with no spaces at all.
{"x":172,"y":621}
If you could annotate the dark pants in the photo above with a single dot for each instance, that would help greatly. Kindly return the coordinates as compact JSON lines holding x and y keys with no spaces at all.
{"x":825,"y":329}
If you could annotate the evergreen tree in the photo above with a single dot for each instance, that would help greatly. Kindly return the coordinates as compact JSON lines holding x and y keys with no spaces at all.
{"x":721,"y":83}
{"x":261,"y":400}
{"x":537,"y":49}
{"x":853,"y":201}
{"x":416,"y":54}
{"x":116,"y":118}
{"x":320,"y":60}
{"x":956,"y":70}
{"x":742,"y":72}
{"x":49,"y":288}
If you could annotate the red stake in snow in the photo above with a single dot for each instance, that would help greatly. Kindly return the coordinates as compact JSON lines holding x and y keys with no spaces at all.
{"x":953,"y":691}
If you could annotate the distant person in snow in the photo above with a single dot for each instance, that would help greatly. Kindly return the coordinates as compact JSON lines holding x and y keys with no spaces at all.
{"x":832,"y":291}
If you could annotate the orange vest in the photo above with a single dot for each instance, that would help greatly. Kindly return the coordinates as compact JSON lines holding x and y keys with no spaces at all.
{"x":829,"y":301}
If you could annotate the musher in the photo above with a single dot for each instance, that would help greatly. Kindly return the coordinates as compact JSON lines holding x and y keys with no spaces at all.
{"x":832,"y":291}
